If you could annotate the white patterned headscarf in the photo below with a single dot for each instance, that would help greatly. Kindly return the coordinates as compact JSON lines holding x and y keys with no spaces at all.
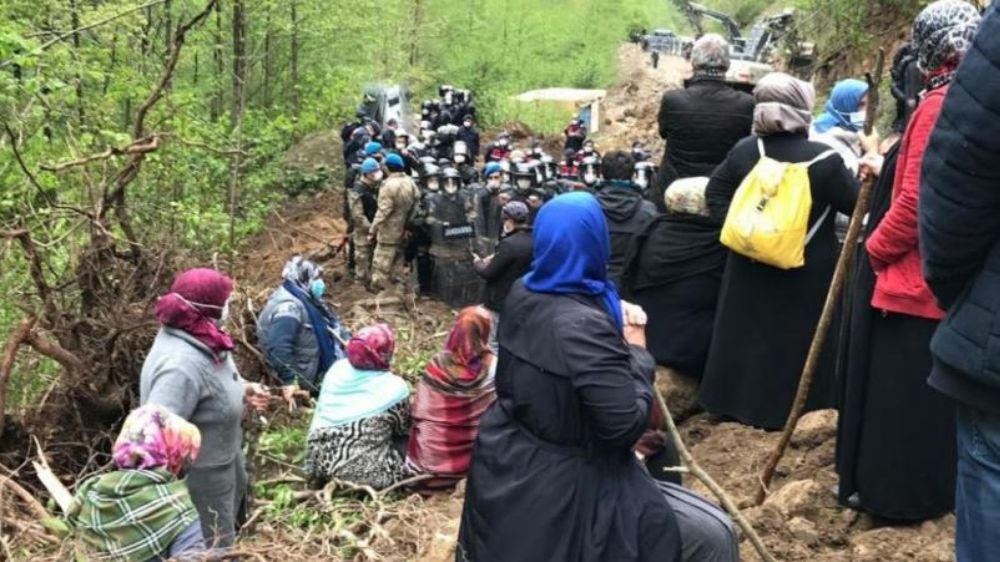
{"x":301,"y":272}
{"x":784,"y":105}
{"x":943,"y":33}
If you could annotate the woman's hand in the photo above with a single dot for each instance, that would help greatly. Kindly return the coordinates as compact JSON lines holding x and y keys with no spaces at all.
{"x":871,"y":164}
{"x":256,"y":396}
{"x":635,"y":324}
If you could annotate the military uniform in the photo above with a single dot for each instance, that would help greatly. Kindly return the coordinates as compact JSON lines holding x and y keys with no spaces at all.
{"x":362,"y":199}
{"x":397,"y":199}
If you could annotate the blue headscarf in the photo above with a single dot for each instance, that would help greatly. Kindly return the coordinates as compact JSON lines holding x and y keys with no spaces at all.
{"x":844,"y":100}
{"x":572,"y":247}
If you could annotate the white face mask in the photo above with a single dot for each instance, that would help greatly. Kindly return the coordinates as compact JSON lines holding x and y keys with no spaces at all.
{"x":493,"y":183}
{"x":589,"y":178}
{"x":400,"y":146}
{"x":459,"y":158}
{"x":468,"y":124}
{"x":858,"y":118}
{"x":450,"y":187}
{"x":377,"y":176}
{"x":502,"y":143}
{"x":433,"y":185}
{"x":588,"y":149}
{"x":523,"y":184}
{"x":641,"y":181}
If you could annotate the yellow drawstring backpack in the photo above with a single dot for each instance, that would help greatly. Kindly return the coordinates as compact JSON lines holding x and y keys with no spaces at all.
{"x":768,"y":218}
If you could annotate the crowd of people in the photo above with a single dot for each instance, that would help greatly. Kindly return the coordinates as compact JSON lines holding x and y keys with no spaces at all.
{"x":542,"y":395}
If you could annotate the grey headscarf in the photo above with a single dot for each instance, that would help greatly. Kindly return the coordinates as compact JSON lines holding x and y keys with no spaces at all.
{"x":942,"y":34}
{"x":784,"y":105}
{"x":301,"y":272}
{"x":710,"y":55}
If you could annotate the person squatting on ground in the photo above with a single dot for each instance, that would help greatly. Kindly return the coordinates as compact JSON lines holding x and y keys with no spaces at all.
{"x":190,"y":371}
{"x":766,"y":315}
{"x":456,"y":389}
{"x":362,"y":201}
{"x":897,"y":420}
{"x":553,"y":473}
{"x":511,"y":261}
{"x":298,"y":332}
{"x":628,"y":214}
{"x":397,"y":202}
{"x":362,"y":416}
{"x":142,"y":511}
{"x":702,"y":122}
{"x":959,"y":224}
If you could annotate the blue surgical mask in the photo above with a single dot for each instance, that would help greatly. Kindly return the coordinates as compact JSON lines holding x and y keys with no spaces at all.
{"x":317,"y":288}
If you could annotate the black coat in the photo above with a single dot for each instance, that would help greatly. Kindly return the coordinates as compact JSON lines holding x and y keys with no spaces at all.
{"x":960,"y":226}
{"x":470,"y":136}
{"x":511,"y":261}
{"x":701,"y":124}
{"x":553,"y":476}
{"x":675,"y":279}
{"x":767,"y":316}
{"x":628,"y":215}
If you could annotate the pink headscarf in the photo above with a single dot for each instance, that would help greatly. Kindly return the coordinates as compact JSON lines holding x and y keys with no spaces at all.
{"x":153,"y":437}
{"x":195,"y":301}
{"x":371,"y":349}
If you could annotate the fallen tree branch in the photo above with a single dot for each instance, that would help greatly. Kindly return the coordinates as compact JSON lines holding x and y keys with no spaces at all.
{"x":695,"y":469}
{"x":141,"y":146}
{"x":840,"y":274}
{"x":35,"y":269}
{"x":33,"y":505}
{"x":58,"y":490}
{"x":53,"y":350}
{"x":14,"y":342}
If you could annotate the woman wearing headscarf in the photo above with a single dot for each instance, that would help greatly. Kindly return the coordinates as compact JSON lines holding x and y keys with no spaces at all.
{"x":842,"y":119}
{"x":450,"y":399}
{"x":553,"y":474}
{"x":891,"y":417}
{"x":676,"y":278}
{"x":142,"y":511}
{"x":298,"y":331}
{"x":767,"y":316}
{"x":361,"y":414}
{"x":190,"y":372}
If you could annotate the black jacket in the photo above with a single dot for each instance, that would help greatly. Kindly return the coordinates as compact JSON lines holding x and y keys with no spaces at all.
{"x":701,"y":124}
{"x":629,"y":215}
{"x":553,"y":476}
{"x":470,"y":136}
{"x":511,"y":261}
{"x":960,"y":226}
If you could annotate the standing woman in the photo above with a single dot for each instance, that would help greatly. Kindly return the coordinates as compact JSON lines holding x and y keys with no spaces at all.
{"x":190,"y":372}
{"x":896,"y":419}
{"x":767,"y":316}
{"x":553,"y":475}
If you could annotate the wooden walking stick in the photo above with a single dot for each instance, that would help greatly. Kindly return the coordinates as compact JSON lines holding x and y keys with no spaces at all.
{"x":840,"y":274}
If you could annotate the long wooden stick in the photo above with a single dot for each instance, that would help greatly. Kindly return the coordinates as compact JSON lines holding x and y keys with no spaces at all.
{"x":844,"y":264}
{"x":695,"y":469}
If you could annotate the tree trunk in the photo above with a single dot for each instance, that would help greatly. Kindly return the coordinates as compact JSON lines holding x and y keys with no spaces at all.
{"x":239,"y":60}
{"x":295,"y":56}
{"x":75,"y":19}
{"x":416,"y":18}
{"x":266,"y":85}
{"x":217,"y":54}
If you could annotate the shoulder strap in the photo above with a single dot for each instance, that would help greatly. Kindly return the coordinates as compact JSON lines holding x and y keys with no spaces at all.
{"x":821,"y":157}
{"x":760,"y":147}
{"x":815,"y":227}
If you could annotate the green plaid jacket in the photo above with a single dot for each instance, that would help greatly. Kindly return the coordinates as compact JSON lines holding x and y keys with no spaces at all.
{"x":131,"y":515}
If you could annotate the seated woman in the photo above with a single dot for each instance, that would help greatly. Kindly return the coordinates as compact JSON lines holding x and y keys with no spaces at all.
{"x":143,"y":511}
{"x":455,"y":390}
{"x":362,"y":410}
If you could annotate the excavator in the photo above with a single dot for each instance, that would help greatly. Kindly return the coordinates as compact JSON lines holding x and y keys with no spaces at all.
{"x":752,"y":56}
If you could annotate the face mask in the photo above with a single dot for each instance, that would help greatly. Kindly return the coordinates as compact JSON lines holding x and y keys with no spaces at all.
{"x":433,"y":185}
{"x":508,"y":227}
{"x":450,"y":187}
{"x":588,"y":149}
{"x":225,"y":313}
{"x":459,"y":158}
{"x":468,"y":124}
{"x":641,"y":181}
{"x":493,"y":183}
{"x":502,"y":143}
{"x":400,"y":146}
{"x":858,"y":118}
{"x":523,"y":184}
{"x":317,"y":288}
{"x":377,"y":176}
{"x":589,"y":179}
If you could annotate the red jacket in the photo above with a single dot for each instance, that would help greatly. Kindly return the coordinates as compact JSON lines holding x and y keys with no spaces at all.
{"x":893,"y":247}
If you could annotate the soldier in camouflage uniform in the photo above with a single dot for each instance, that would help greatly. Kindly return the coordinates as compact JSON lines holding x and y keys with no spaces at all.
{"x":362,"y":199}
{"x":397,"y":201}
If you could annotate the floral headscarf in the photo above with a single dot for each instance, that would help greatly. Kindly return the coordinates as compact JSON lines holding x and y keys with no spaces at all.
{"x":301,"y":272}
{"x":942,"y":34}
{"x":371,"y":349}
{"x":153,"y":437}
{"x":466,"y":357}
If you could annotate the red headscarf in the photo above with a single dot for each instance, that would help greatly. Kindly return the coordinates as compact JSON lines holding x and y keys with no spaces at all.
{"x":466,"y":357}
{"x":371,"y":349}
{"x":194,"y":303}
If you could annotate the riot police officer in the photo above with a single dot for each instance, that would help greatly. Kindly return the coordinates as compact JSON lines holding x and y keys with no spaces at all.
{"x":590,"y":172}
{"x":486,"y":198}
{"x":451,"y":241}
{"x":463,"y":163}
{"x":499,"y":149}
